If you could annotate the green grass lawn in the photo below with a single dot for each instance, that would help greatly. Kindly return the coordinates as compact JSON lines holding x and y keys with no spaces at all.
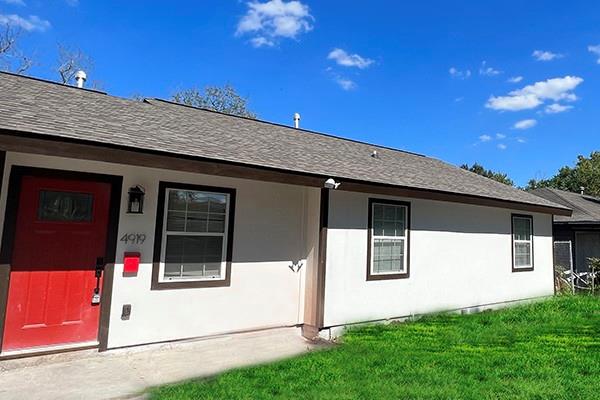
{"x":546,"y":350}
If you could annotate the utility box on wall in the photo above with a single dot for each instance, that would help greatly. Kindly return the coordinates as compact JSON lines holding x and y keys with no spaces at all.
{"x":131,"y":263}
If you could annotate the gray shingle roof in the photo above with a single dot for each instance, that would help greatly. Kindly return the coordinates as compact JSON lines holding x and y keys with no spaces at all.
{"x":586,"y":209}
{"x":46,"y":108}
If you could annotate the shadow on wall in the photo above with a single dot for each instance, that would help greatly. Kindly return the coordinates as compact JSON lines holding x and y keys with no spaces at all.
{"x":349,"y":211}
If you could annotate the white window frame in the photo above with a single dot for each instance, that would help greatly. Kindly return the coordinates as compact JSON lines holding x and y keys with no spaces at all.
{"x":399,"y":238}
{"x":165,"y":233}
{"x":529,"y":219}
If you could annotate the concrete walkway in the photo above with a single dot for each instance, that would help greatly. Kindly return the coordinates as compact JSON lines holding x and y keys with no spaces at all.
{"x":126,"y":373}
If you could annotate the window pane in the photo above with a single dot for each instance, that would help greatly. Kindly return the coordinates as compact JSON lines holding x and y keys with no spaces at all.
{"x":65,"y":206}
{"x":388,"y":256}
{"x":216,"y":223}
{"x":217,"y":203}
{"x":522,"y":254}
{"x":389,"y":220}
{"x":522,"y":228}
{"x":389,"y":228}
{"x":377,"y":211}
{"x":193,"y":211}
{"x":196,"y":222}
{"x":176,"y":221}
{"x":400,"y":228}
{"x":177,"y":200}
{"x":193,"y":256}
{"x":377,"y":227}
{"x":389,"y":213}
{"x":197,"y":201}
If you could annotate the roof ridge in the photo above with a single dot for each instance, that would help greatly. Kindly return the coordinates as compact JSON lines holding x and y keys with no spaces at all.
{"x":557,"y":193}
{"x":33,"y":78}
{"x":573,"y":205}
{"x":289,"y":127}
{"x":217,"y":112}
{"x":162,"y":126}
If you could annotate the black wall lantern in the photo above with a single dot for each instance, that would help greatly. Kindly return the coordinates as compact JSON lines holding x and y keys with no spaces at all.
{"x":135,"y":204}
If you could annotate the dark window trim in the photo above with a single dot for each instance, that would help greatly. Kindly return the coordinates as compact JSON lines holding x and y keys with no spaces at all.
{"x":158,"y":237}
{"x":10,"y":226}
{"x":404,"y":275}
{"x":512,"y":242}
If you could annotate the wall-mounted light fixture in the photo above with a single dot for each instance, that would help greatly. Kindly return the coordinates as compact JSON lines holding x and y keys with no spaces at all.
{"x":135,"y":203}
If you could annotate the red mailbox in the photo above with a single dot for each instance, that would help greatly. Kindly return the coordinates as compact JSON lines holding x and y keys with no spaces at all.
{"x":131,"y":263}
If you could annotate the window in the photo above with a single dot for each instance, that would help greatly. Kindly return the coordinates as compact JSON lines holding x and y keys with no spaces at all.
{"x":195,"y":236}
{"x":522,"y":242}
{"x":388,"y":239}
{"x":65,"y":206}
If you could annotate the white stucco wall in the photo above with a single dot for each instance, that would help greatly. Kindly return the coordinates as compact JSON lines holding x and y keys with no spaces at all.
{"x":460,"y":256}
{"x":269,"y":234}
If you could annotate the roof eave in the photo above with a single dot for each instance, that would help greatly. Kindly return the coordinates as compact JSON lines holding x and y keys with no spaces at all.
{"x":29,"y":142}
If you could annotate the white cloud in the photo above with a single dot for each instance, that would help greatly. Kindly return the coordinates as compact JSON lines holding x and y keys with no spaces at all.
{"x":553,"y":89}
{"x":14,"y":2}
{"x":513,"y":103}
{"x":525,"y":124}
{"x":541,"y":55}
{"x":261,"y":41}
{"x":556,"y":108}
{"x":485,"y":138}
{"x":455,"y":73}
{"x":500,"y":136}
{"x":31,"y":23}
{"x":341,"y":57}
{"x":521,"y":140}
{"x":344,"y":83}
{"x":501,"y":146}
{"x":274,"y":19}
{"x":532,"y":96}
{"x":488,"y":71}
{"x":515,"y":79}
{"x":595,"y":50}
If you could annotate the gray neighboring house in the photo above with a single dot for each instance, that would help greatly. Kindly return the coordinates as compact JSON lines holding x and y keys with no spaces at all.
{"x":581,"y":229}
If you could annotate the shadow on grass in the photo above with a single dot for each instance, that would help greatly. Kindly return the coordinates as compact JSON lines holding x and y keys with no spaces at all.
{"x":545,"y":350}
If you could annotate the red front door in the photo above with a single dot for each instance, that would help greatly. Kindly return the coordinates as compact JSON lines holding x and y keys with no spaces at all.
{"x":61,"y":231}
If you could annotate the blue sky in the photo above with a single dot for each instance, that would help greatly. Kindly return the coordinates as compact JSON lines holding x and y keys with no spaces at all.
{"x":433,"y":77}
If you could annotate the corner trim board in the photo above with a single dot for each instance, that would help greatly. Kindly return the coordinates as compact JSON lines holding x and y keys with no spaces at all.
{"x":322,"y":263}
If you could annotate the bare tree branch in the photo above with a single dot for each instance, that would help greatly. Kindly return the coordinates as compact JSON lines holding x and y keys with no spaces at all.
{"x":11,"y":57}
{"x":70,"y":61}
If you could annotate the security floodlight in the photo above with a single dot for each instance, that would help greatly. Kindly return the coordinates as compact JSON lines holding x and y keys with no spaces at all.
{"x":331,"y":184}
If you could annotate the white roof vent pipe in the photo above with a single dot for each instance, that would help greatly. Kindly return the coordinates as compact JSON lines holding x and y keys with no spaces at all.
{"x":296,"y":120}
{"x":80,"y":78}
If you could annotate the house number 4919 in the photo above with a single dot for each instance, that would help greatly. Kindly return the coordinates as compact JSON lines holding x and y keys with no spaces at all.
{"x":133,"y":238}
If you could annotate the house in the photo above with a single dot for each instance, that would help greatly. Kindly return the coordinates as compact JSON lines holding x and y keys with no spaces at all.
{"x":576,"y":237}
{"x":130,"y":222}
